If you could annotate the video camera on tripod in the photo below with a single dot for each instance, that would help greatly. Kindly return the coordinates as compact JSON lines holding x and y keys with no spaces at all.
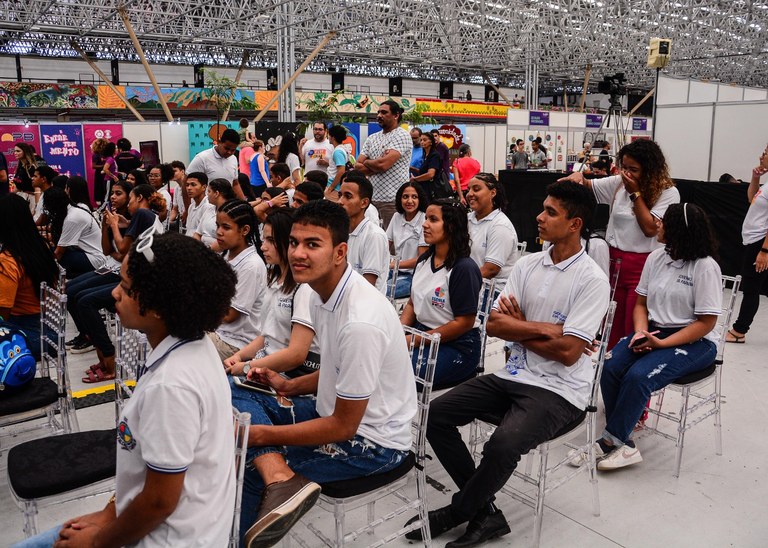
{"x":615,"y":86}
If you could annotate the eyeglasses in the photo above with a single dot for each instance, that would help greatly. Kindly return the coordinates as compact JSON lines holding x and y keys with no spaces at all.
{"x":144,"y":244}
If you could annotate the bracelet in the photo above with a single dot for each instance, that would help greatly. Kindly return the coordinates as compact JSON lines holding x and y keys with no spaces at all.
{"x":764,"y":250}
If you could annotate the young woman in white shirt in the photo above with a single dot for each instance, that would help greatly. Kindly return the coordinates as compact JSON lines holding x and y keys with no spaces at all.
{"x":288,"y":153}
{"x":406,"y":234}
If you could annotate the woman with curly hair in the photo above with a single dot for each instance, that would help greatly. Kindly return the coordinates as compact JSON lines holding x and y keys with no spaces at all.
{"x":679,"y":300}
{"x":445,"y":291}
{"x":638,"y":197}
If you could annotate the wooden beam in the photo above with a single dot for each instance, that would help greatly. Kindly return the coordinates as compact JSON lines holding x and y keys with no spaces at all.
{"x":565,"y":98}
{"x":638,"y":105}
{"x":106,"y":80}
{"x":328,"y":37}
{"x":497,"y":90}
{"x":237,"y":81}
{"x":584,"y":88}
{"x":143,"y":58}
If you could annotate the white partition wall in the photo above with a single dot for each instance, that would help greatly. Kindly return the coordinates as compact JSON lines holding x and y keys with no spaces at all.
{"x":146,"y":131}
{"x":684,"y":135}
{"x":174,"y":143}
{"x":737,"y":145}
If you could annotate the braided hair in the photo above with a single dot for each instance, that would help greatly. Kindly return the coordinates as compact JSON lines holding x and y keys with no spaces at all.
{"x":242,"y":214}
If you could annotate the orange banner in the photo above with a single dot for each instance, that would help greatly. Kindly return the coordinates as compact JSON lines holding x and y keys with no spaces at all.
{"x":108,"y":98}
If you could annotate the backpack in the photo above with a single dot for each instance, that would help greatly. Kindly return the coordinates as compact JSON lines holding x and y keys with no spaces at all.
{"x":17,"y":365}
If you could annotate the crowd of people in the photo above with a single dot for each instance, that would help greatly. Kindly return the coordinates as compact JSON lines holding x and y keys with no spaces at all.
{"x":270,"y":285}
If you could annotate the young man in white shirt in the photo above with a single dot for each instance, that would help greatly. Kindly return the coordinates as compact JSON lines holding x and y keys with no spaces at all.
{"x":316,"y":154}
{"x":368,"y":245}
{"x":338,"y":164}
{"x":201,"y":215}
{"x":359,"y":424}
{"x":550,"y":309}
{"x":219,"y":162}
{"x":180,"y":198}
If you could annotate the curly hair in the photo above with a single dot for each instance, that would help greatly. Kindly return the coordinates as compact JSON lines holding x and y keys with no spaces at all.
{"x":242,"y":214}
{"x":688,"y":234}
{"x":456,"y":228}
{"x":281,"y":221}
{"x":191,"y":305}
{"x":423,"y":200}
{"x":489,"y":179}
{"x":97,"y":146}
{"x":655,"y":177}
{"x":156,"y":201}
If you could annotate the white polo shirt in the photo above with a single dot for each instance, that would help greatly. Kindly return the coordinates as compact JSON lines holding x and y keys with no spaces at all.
{"x":201,"y":220}
{"x":755,"y":225}
{"x":439,"y":295}
{"x":248,"y":299}
{"x":573,"y":293}
{"x":678,"y":291}
{"x":179,"y":419}
{"x":406,"y":236}
{"x":281,"y":311}
{"x":623,"y":231}
{"x":493,"y":240}
{"x":369,"y":252}
{"x":81,"y":230}
{"x":209,"y":162}
{"x":386,"y":183}
{"x":598,"y":249}
{"x":364,"y":357}
{"x":312,"y":151}
{"x":167,"y":195}
{"x":372,"y":214}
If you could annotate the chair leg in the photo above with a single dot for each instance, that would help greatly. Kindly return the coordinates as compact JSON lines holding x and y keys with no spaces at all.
{"x":718,"y":419}
{"x":421,"y":494}
{"x":338,"y":514}
{"x":659,"y":403}
{"x":538,"y":517}
{"x":371,"y":510}
{"x":681,"y":430}
{"x":30,"y":518}
{"x":592,"y":465}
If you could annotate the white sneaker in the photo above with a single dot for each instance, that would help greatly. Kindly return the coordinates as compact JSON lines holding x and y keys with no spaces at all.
{"x":577,"y":457}
{"x":620,"y":457}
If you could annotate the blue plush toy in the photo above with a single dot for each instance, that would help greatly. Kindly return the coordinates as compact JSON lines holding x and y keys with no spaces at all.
{"x":17,"y":365}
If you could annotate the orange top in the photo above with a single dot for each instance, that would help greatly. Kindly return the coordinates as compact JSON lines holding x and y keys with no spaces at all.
{"x":16,"y":290}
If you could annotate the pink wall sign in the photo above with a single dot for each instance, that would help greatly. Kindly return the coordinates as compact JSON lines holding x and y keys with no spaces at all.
{"x":91,"y":132}
{"x":10,"y":134}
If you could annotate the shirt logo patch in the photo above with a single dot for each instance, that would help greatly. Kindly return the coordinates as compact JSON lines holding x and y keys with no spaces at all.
{"x":558,"y":316}
{"x":518,"y":359}
{"x":685,"y":280}
{"x":125,"y":436}
{"x":438,"y":299}
{"x":284,"y":302}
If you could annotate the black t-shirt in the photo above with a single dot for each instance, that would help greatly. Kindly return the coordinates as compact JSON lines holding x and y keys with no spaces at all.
{"x":5,"y":186}
{"x":127,"y":161}
{"x":432,"y":161}
{"x":140,"y":221}
{"x":464,"y":287}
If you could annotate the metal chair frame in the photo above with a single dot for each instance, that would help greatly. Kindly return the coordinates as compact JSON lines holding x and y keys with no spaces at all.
{"x":394,"y":260}
{"x":241,"y":421}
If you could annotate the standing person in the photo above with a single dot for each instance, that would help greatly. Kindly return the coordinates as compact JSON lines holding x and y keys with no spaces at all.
{"x":97,"y":163}
{"x":109,"y":170}
{"x":338,"y":165}
{"x":443,"y":152}
{"x":316,"y":153}
{"x":219,"y":161}
{"x":366,"y":396}
{"x":27,"y":162}
{"x":551,"y":309}
{"x":386,"y":157}
{"x":754,"y":267}
{"x":430,"y":167}
{"x":519,"y":156}
{"x":469,"y":95}
{"x":417,"y":154}
{"x":464,"y":168}
{"x":538,"y":157}
{"x":175,"y":477}
{"x":259,"y":169}
{"x":128,"y":158}
{"x":638,"y":197}
{"x":406,"y":234}
{"x":5,"y":187}
{"x":288,"y":154}
{"x":244,"y":157}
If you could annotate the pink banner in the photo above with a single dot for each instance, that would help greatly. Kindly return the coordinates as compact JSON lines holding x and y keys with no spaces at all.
{"x":10,"y":134}
{"x":91,"y":132}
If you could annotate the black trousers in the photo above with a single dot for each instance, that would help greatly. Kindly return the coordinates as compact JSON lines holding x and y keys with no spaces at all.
{"x":527,"y":416}
{"x":751,"y":283}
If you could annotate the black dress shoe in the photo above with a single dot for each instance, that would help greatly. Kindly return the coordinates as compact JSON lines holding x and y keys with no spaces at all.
{"x":482,"y":528}
{"x":440,"y":521}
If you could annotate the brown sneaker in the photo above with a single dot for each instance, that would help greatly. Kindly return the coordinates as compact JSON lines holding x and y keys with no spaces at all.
{"x":282,"y":505}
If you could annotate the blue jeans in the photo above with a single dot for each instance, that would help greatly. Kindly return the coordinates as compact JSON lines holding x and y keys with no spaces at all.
{"x":629,"y":379}
{"x":46,"y":539}
{"x":456,"y":360}
{"x":337,"y":461}
{"x":403,"y":286}
{"x":86,"y":295}
{"x":75,"y":262}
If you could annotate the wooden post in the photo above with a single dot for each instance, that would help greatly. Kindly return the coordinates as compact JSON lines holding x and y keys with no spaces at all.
{"x":237,"y":81}
{"x":638,"y":105}
{"x":328,"y":37}
{"x":142,"y":57}
{"x":105,"y":78}
{"x":565,"y":98}
{"x":584,"y":87}
{"x":497,"y":90}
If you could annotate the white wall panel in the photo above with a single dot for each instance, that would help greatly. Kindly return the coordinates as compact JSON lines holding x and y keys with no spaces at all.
{"x":684,"y":134}
{"x":740,"y":136}
{"x":672,"y":91}
{"x":702,"y":92}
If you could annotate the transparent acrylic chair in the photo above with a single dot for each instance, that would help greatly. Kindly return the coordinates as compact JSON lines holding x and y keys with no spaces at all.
{"x":394,"y":262}
{"x":242,"y":422}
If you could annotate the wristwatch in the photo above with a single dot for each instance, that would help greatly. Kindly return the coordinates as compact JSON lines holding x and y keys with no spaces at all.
{"x":634,"y":196}
{"x":247,"y":367}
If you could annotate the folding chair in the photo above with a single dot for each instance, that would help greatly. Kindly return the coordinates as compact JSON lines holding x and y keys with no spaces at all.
{"x":394,"y":261}
{"x":340,"y":496}
{"x":242,"y":422}
{"x":44,"y":396}
{"x":542,"y":480}
{"x":705,"y":404}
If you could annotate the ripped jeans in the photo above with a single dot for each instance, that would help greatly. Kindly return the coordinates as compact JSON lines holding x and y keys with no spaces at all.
{"x":349,"y":459}
{"x":629,"y":379}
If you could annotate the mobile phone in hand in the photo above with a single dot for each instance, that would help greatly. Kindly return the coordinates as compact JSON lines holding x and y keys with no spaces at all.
{"x":257,"y":386}
{"x":638,"y":342}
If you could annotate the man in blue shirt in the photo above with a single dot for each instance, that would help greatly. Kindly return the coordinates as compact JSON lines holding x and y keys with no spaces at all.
{"x":418,"y":153}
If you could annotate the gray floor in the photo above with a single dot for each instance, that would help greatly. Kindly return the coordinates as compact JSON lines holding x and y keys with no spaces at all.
{"x":715,"y":502}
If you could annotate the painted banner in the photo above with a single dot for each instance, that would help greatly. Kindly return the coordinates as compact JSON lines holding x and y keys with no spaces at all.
{"x":62,"y":148}
{"x":108,"y":98}
{"x":462,"y":109}
{"x":91,"y":132}
{"x":26,"y":95}
{"x":10,"y":134}
{"x":538,"y":118}
{"x":639,"y":124}
{"x":594,"y":120}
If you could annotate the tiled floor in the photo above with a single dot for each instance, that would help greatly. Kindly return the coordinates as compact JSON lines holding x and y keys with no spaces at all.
{"x":717,"y":501}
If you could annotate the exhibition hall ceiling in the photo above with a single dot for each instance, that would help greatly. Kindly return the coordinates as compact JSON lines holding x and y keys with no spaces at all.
{"x":722,"y":40}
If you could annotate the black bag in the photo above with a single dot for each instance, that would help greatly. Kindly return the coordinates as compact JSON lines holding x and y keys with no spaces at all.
{"x":440,"y":187}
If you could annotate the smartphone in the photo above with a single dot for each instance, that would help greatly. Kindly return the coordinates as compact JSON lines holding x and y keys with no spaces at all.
{"x":638,"y":342}
{"x":257,"y":386}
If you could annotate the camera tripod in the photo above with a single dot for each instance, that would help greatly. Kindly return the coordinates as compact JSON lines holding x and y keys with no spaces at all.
{"x":615,"y":114}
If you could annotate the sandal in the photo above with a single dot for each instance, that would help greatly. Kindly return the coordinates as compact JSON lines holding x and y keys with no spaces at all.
{"x":98,"y":376}
{"x":738,"y":339}
{"x":95,"y":367}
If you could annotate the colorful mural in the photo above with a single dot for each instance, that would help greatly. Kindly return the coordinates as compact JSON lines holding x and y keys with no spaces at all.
{"x":24,"y":95}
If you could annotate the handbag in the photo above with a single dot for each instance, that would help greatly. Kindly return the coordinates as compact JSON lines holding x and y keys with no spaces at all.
{"x":441,"y":186}
{"x":17,"y":365}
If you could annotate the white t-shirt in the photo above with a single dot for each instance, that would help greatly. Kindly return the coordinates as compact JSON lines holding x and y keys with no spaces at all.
{"x":385,"y":184}
{"x":178,"y":199}
{"x":368,"y":252}
{"x":293,"y":162}
{"x":678,"y":291}
{"x":81,"y":230}
{"x":312,"y":151}
{"x":195,"y":213}
{"x":201,"y":220}
{"x":623,"y":231}
{"x":755,"y":225}
{"x":406,"y":236}
{"x":209,"y":162}
{"x":363,"y":355}
{"x":179,"y":419}
{"x":372,"y":214}
{"x":338,"y":159}
{"x":493,"y":240}
{"x":281,"y":311}
{"x":248,"y":299}
{"x":573,"y":293}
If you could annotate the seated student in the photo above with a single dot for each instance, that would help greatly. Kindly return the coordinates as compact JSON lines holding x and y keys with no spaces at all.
{"x":368,"y":247}
{"x":238,"y":237}
{"x":26,"y":261}
{"x":160,"y":177}
{"x":179,"y":208}
{"x":597,"y":248}
{"x":316,"y":176}
{"x":137,"y":177}
{"x":287,"y":341}
{"x":175,"y":465}
{"x":200,"y":209}
{"x":445,"y":293}
{"x":75,"y":234}
{"x":271,"y":199}
{"x":42,"y":180}
{"x":366,"y":396}
{"x":680,"y":298}
{"x":280,"y":175}
{"x":494,"y":239}
{"x":551,"y":308}
{"x":406,"y":233}
{"x":305,"y":192}
{"x":77,"y":189}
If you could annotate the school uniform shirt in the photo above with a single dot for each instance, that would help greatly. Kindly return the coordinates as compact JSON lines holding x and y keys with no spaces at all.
{"x":178,"y":199}
{"x":281,"y":311}
{"x":201,"y":220}
{"x":167,"y":195}
{"x":293,"y":163}
{"x":406,"y":236}
{"x":209,"y":162}
{"x":755,"y":225}
{"x":363,"y":356}
{"x":678,"y":291}
{"x":623,"y":231}
{"x":598,"y":249}
{"x":493,"y":240}
{"x":81,"y":230}
{"x":573,"y":293}
{"x":372,"y":214}
{"x":439,"y":295}
{"x":248,"y":299}
{"x":312,"y":151}
{"x":368,"y":252}
{"x":179,"y":419}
